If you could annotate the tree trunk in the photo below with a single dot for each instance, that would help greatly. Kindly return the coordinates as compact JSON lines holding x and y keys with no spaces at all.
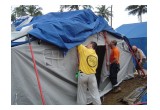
{"x":140,"y":18}
{"x":111,"y":15}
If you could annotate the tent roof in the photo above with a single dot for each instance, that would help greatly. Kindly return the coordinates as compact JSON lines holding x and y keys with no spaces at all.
{"x":68,"y":29}
{"x":134,"y":30}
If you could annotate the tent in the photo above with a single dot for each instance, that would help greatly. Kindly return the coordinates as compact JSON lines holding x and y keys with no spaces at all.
{"x":53,"y":38}
{"x":137,"y":35}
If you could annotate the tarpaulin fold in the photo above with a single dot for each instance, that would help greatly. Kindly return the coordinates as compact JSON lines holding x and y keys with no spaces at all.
{"x":68,"y":29}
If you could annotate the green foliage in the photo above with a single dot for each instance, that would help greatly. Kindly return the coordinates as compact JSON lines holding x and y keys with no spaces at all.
{"x":104,"y":11}
{"x":138,"y":10}
{"x":23,"y":10}
{"x":74,"y":7}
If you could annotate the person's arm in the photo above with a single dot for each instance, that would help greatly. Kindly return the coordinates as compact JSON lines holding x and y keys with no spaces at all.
{"x":104,"y":33}
{"x":140,"y":54}
{"x":107,"y":39}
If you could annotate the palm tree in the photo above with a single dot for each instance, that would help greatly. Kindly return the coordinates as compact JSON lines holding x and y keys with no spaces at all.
{"x":74,"y":7}
{"x":20,"y":11}
{"x":103,"y":11}
{"x":23,"y":10}
{"x":87,"y":6}
{"x":33,"y":10}
{"x":137,"y":9}
{"x":13,"y":17}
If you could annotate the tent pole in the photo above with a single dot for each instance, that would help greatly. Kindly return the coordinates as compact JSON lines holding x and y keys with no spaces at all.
{"x":18,"y":38}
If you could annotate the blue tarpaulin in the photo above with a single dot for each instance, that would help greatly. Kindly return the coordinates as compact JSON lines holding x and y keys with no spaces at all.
{"x":68,"y":29}
{"x":144,"y":99}
{"x":136,"y":34}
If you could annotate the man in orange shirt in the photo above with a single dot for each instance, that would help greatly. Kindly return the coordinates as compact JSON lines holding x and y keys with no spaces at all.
{"x":114,"y":63}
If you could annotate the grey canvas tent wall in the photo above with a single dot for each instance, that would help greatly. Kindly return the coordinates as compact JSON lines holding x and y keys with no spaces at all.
{"x":57,"y":71}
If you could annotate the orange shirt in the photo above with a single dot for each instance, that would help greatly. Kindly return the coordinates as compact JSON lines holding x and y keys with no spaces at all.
{"x":115,"y":54}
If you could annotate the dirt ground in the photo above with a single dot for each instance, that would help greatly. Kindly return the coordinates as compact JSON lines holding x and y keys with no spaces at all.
{"x":127,"y":87}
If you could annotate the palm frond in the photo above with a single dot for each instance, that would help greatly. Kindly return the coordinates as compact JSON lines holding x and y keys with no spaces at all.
{"x":137,"y":10}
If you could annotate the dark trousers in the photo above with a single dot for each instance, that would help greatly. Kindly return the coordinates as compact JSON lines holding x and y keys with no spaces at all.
{"x":114,"y":69}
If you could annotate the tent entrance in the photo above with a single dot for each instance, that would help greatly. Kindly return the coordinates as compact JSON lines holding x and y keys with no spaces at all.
{"x":101,"y":53}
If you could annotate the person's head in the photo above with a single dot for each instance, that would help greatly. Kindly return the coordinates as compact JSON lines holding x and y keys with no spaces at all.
{"x":113,"y":43}
{"x":134,"y":48}
{"x":92,"y":45}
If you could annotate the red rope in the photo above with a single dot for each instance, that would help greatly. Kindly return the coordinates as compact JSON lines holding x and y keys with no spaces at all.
{"x":37,"y":76}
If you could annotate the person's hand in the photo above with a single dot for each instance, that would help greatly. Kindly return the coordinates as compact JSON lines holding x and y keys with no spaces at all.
{"x":140,"y":62}
{"x":101,"y":33}
{"x":107,"y":66}
{"x":105,"y":34}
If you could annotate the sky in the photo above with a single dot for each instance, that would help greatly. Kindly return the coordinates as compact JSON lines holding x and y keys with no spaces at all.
{"x":120,"y":16}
